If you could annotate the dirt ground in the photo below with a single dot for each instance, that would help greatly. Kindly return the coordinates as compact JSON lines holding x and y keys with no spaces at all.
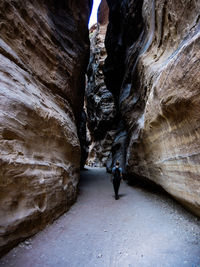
{"x":142,"y":228}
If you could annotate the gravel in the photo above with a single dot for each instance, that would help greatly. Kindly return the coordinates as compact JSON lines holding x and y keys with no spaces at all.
{"x":142,"y":228}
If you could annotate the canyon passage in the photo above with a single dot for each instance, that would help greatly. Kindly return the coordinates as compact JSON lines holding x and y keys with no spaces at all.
{"x":72,"y":99}
{"x":143,"y":228}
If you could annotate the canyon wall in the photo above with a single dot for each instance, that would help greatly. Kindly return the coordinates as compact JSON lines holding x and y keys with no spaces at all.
{"x":44,"y":52}
{"x":100,"y":105}
{"x":153,"y":70}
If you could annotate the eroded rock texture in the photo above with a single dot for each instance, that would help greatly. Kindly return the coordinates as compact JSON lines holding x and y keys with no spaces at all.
{"x":153,"y":68}
{"x":43,"y":57}
{"x":101,"y":111}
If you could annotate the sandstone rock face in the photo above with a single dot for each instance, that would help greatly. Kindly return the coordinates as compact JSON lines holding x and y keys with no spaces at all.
{"x":83,"y":138}
{"x":103,"y":13}
{"x":43,"y":57}
{"x":101,"y":111}
{"x":154,"y":53}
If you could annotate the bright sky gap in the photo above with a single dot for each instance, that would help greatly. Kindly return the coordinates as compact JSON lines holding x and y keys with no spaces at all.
{"x":93,"y":17}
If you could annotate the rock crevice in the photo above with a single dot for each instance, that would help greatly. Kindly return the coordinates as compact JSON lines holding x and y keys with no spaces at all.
{"x":100,"y":104}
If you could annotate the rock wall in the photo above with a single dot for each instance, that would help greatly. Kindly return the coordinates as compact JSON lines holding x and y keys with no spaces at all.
{"x":153,"y":68}
{"x":44,"y":50}
{"x":100,"y":105}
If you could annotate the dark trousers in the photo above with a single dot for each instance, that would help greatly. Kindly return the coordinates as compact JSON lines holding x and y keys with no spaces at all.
{"x":116,"y":184}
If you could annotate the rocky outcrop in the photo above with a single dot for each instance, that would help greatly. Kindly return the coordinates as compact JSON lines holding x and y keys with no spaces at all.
{"x":101,"y":111}
{"x":43,"y":54}
{"x":102,"y":15}
{"x":153,"y":69}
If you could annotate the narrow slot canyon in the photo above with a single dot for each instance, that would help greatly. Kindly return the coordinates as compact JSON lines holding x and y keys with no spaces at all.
{"x":73,"y":102}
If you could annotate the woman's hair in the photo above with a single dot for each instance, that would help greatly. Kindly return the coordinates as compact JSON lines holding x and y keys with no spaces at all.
{"x":117,"y":163}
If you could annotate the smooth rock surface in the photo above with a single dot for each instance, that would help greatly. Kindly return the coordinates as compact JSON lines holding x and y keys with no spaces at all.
{"x":44,"y":50}
{"x":154,"y":52}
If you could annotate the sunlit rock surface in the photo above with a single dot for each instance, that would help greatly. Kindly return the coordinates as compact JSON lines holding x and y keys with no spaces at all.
{"x":43,"y":57}
{"x":153,"y":66}
{"x":101,"y":111}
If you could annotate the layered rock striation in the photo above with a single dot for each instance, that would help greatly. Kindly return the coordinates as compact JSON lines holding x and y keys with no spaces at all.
{"x":153,"y":69}
{"x":44,"y":49}
{"x":100,"y":105}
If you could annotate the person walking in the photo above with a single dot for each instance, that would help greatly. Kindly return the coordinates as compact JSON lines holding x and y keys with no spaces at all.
{"x":116,"y":178}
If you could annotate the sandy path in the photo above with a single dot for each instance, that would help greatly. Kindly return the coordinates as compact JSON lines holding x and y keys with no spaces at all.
{"x":140,"y":229}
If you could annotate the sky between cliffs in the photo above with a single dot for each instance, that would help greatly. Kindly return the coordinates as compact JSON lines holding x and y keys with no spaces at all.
{"x":93,"y":17}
